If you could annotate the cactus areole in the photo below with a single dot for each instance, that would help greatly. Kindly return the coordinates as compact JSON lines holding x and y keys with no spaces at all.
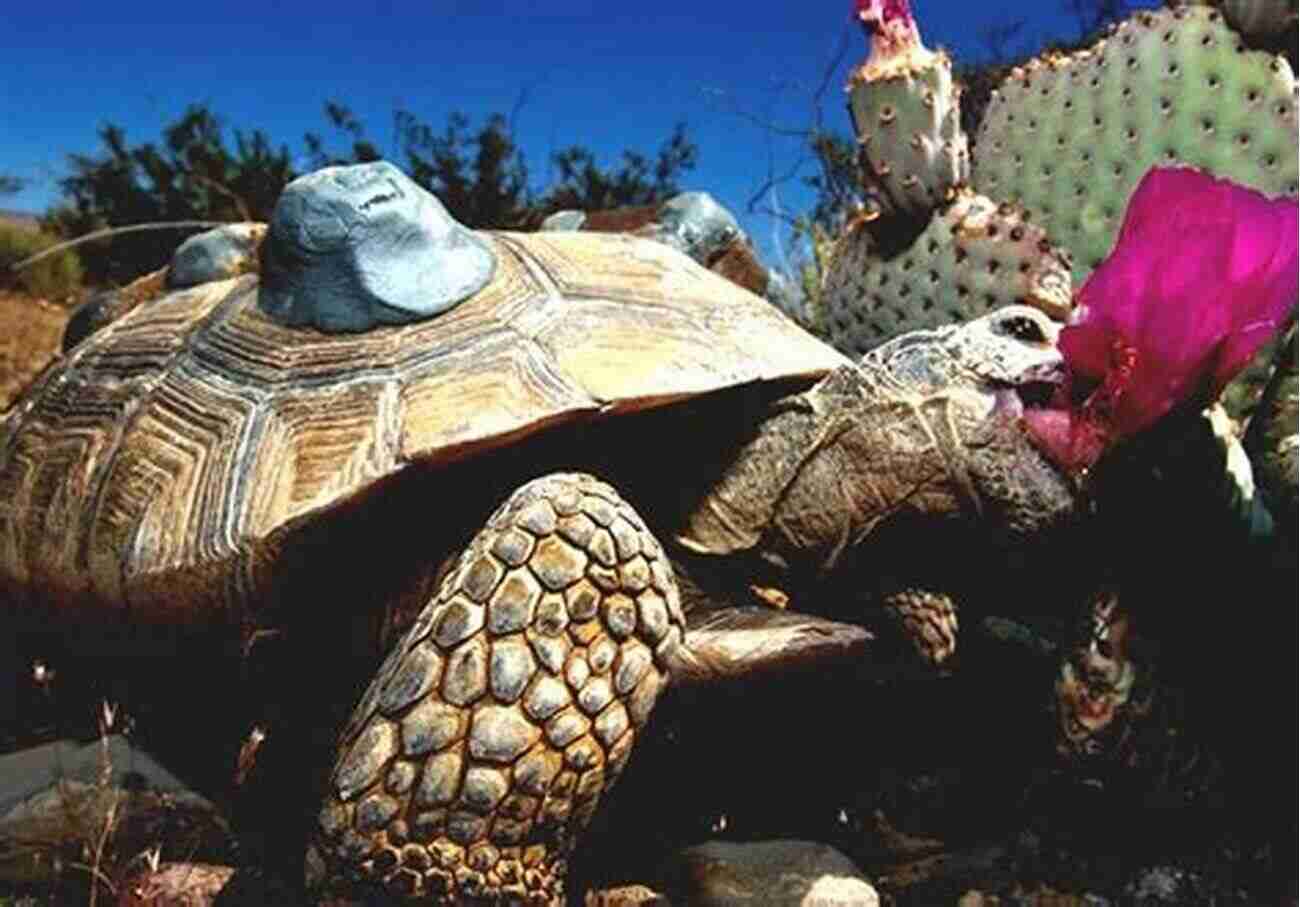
{"x":1203,"y":274}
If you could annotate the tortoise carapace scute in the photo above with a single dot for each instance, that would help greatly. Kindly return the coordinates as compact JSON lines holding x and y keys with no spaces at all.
{"x":128,"y":445}
{"x":544,"y":498}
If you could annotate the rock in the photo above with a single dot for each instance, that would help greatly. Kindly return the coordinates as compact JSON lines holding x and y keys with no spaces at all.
{"x":349,"y":248}
{"x":781,"y":872}
{"x":175,"y":885}
{"x":565,"y":220}
{"x":625,"y":896}
{"x":694,"y":223}
{"x":1164,"y":885}
{"x":104,"y":308}
{"x":59,"y":796}
{"x":691,"y":222}
{"x":628,"y":219}
{"x":216,"y":255}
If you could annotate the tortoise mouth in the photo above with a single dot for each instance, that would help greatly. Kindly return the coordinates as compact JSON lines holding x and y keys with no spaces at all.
{"x":1039,"y":407}
{"x":1038,"y":394}
{"x":1014,"y":399}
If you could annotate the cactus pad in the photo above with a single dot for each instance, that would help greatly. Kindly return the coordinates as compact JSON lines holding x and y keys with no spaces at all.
{"x":909,"y":128}
{"x":973,"y":257}
{"x":1069,"y":137}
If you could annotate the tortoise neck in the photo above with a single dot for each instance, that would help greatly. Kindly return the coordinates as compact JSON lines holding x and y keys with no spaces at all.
{"x":805,"y":487}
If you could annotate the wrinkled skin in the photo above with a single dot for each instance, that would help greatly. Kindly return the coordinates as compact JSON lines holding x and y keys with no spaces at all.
{"x":900,"y":479}
{"x":441,"y":790}
{"x":883,"y":485}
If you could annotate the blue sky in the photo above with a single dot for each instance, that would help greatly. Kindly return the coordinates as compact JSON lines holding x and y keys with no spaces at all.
{"x":605,"y":75}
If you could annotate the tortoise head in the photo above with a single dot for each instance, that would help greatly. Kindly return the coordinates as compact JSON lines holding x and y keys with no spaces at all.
{"x":973,"y":383}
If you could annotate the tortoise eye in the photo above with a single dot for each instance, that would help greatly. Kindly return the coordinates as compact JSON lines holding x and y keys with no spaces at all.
{"x":1022,"y":327}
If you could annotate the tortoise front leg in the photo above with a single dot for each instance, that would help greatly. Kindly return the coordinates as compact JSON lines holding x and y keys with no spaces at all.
{"x":482,"y":747}
{"x":928,"y":619}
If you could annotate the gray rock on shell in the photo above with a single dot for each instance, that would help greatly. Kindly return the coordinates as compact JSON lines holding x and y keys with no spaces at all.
{"x":694,"y":223}
{"x":350,"y":248}
{"x":217,"y":254}
{"x":691,"y":222}
{"x":565,"y":220}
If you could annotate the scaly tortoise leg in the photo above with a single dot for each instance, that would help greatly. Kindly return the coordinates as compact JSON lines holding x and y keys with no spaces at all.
{"x":482,"y":747}
{"x":928,"y":620}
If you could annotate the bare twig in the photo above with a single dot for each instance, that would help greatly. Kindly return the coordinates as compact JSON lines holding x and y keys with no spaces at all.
{"x":96,"y":871}
{"x":104,"y":787}
{"x":521,"y":101}
{"x":997,"y":37}
{"x":97,"y":876}
{"x":759,"y":199}
{"x":229,"y":193}
{"x":115,"y":231}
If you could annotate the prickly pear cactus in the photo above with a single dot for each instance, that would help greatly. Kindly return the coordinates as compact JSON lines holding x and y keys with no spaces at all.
{"x":906,"y":112}
{"x":973,"y":257}
{"x":1273,"y":438}
{"x":1070,"y":136}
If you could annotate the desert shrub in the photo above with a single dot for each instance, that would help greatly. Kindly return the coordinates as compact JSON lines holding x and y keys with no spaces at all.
{"x":55,"y":277}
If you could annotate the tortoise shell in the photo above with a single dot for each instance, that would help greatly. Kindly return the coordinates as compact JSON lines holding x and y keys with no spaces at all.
{"x":153,"y":469}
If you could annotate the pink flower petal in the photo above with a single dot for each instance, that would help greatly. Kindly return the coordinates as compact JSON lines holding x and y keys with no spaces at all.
{"x":1268,"y":293}
{"x":882,"y":11}
{"x":1203,"y":273}
{"x":1086,"y":347}
{"x":1158,"y":195}
{"x":1067,"y":439}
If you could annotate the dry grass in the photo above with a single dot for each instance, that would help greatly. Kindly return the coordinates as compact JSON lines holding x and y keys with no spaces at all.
{"x":99,"y":833}
{"x":31,"y":332}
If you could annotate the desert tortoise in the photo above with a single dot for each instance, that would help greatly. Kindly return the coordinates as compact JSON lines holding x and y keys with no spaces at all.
{"x":388,"y":441}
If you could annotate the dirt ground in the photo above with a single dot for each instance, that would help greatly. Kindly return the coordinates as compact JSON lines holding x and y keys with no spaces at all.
{"x":30,"y":334}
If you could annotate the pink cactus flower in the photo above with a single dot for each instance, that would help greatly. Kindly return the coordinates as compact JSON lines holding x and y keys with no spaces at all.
{"x":882,"y":12}
{"x":1203,"y":274}
{"x":891,"y":32}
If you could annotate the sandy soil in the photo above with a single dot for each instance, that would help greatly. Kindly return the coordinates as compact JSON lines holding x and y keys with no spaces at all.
{"x":30,"y":334}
